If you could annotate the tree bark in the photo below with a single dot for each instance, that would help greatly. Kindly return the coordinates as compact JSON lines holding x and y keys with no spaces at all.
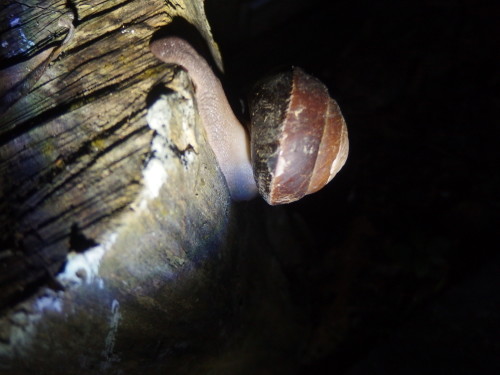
{"x":121,"y":250}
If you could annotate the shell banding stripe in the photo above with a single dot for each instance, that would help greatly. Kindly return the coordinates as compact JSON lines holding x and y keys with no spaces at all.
{"x":334,"y":133}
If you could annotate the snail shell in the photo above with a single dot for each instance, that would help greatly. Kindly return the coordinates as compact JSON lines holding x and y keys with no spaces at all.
{"x":298,"y":136}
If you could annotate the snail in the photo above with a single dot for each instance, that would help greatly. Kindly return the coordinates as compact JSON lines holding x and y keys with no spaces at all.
{"x":298,"y":134}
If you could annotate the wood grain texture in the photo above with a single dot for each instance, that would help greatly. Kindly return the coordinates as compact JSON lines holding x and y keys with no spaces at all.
{"x":120,"y":249}
{"x":72,"y":150}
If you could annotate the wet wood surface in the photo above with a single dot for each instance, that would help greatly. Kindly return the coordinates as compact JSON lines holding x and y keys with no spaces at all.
{"x":120,"y":250}
{"x":74,"y":146}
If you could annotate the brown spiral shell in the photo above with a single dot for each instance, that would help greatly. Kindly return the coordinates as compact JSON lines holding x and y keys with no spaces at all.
{"x":298,"y":136}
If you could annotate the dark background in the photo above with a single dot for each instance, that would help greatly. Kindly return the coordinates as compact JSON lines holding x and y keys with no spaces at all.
{"x":404,"y":275}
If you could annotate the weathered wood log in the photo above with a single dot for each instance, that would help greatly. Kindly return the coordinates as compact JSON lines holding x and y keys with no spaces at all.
{"x":121,"y":251}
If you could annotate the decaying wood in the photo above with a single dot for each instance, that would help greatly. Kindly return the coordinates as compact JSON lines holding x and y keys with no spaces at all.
{"x":121,"y":252}
{"x":83,"y":119}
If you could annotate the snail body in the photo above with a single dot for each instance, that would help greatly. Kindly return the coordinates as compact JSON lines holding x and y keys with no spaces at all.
{"x":298,"y":135}
{"x":226,"y":135}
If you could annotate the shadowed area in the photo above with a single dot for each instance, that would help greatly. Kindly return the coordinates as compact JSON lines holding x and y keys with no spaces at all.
{"x":406,"y":227}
